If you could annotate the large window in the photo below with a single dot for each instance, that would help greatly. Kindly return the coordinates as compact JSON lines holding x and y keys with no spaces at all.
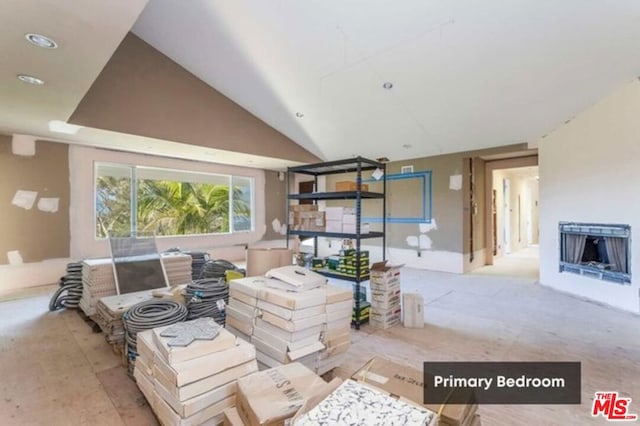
{"x":133,"y":200}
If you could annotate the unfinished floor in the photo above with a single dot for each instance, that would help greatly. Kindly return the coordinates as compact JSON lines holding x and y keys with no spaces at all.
{"x":55,"y":371}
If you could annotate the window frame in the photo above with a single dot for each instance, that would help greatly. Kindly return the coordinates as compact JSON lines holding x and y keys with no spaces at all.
{"x":134,"y":168}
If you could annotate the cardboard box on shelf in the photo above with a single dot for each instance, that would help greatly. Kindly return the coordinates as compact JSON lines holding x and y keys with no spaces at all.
{"x":336,"y":213}
{"x":333,"y":226}
{"x":346,"y":185}
{"x":406,"y":382}
{"x":303,"y":207}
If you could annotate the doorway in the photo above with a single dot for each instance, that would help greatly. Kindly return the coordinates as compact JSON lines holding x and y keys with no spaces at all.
{"x":512,"y":217}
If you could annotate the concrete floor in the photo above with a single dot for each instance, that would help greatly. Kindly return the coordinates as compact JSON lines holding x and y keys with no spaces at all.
{"x":55,"y":371}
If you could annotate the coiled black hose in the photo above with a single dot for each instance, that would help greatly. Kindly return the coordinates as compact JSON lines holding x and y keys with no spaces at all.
{"x":147,"y":315}
{"x":218,"y":269}
{"x":69,"y":292}
{"x":207,"y":297}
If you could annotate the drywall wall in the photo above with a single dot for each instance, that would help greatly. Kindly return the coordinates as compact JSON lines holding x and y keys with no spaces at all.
{"x":443,"y":244}
{"x":275,"y":208}
{"x":589,"y":172}
{"x":84,"y":244}
{"x":34,"y":234}
{"x":140,"y":91}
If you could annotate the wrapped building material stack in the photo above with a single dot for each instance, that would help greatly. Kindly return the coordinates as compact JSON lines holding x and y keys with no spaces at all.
{"x":97,"y":282}
{"x":336,"y":335}
{"x":178,"y":268}
{"x":306,"y":217}
{"x":272,"y":396}
{"x":385,"y":295}
{"x":193,"y":384}
{"x":407,"y":383}
{"x":110,"y":309}
{"x":289,"y":326}
{"x":242,"y":311}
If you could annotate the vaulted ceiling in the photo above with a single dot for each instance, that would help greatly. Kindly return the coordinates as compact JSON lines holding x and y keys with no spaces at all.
{"x":463,"y":75}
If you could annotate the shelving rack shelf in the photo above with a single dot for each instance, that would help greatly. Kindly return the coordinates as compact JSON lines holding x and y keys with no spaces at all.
{"x":356,"y":165}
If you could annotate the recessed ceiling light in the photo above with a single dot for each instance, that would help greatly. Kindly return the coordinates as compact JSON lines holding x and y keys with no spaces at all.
{"x":60,"y":126}
{"x":41,"y":41}
{"x":387,"y":85}
{"x":407,"y":146}
{"x":299,"y":114}
{"x":30,"y":79}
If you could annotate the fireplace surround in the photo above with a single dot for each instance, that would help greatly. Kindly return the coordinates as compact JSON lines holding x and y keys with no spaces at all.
{"x":601,"y":251}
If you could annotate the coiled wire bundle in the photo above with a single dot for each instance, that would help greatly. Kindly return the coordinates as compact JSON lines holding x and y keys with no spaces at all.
{"x":207,"y":297}
{"x":69,"y":293}
{"x":218,"y":269}
{"x":147,"y":315}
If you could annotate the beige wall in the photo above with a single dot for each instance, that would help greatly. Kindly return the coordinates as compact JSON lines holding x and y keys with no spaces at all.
{"x":35,"y":234}
{"x":142,"y":92}
{"x":83,"y":241}
{"x":590,"y":172}
{"x":275,"y":192}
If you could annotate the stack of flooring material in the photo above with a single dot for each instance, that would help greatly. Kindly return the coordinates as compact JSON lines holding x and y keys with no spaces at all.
{"x":290,"y":325}
{"x":272,"y":396}
{"x":242,"y":310}
{"x":178,"y":268}
{"x":194,"y":384}
{"x":110,"y":309}
{"x":385,"y":296}
{"x":98,"y":280}
{"x":336,"y":335}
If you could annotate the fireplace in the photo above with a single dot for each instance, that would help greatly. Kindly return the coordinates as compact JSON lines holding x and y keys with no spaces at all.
{"x":601,"y":251}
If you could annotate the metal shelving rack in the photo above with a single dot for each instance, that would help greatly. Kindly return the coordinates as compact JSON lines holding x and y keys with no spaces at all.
{"x":356,"y":165}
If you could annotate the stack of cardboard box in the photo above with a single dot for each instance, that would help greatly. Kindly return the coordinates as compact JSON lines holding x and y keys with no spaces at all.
{"x":242,"y":310}
{"x":348,"y":261}
{"x":289,"y":325}
{"x":406,"y":382}
{"x":191,"y":385}
{"x":337,"y":329}
{"x":97,"y":281}
{"x":347,"y":185}
{"x":271,"y":397}
{"x":385,"y":295}
{"x":306,"y":217}
{"x":343,"y":220}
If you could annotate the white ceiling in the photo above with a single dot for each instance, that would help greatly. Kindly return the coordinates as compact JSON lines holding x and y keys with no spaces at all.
{"x":466,"y":75}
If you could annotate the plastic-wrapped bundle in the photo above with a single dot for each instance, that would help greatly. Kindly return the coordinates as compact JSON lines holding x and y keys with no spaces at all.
{"x":207,"y":297}
{"x":198,"y":259}
{"x":147,"y":315}
{"x":69,"y":293}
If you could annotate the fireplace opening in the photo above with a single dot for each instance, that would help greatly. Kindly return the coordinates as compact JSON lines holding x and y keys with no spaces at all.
{"x":597,"y":250}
